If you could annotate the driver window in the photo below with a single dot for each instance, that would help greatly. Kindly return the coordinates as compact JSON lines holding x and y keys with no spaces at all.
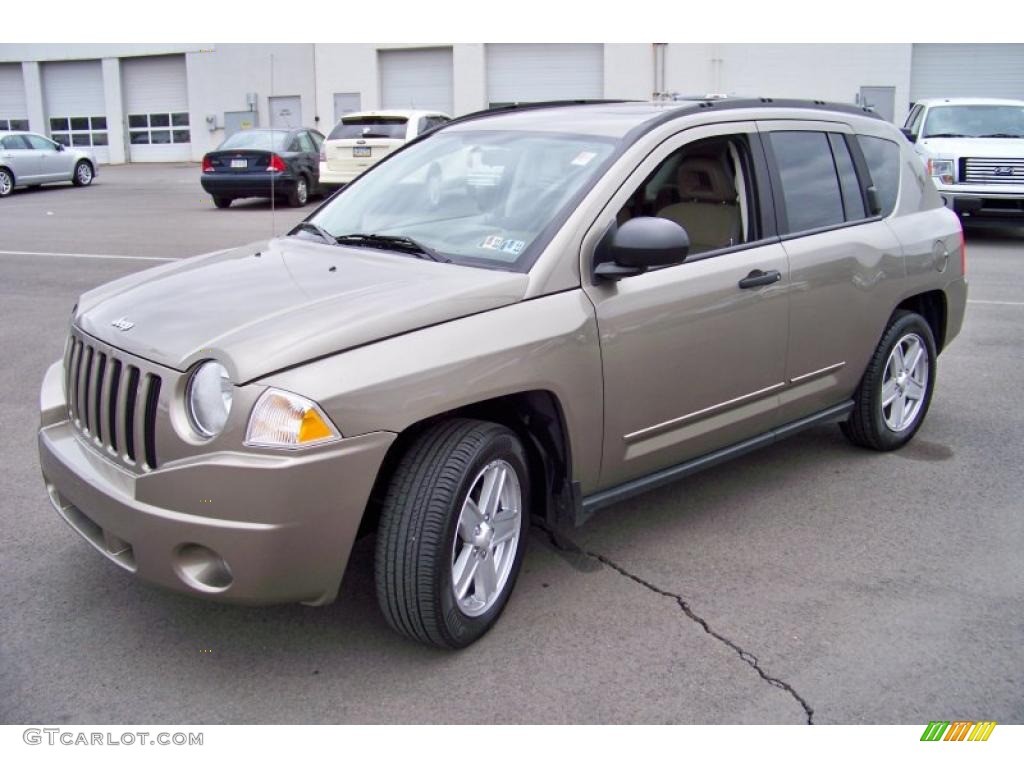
{"x":707,"y":188}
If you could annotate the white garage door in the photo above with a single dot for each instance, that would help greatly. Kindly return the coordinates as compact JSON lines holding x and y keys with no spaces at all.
{"x":74,"y":103}
{"x":418,"y":79}
{"x":544,"y":72}
{"x":155,"y":94}
{"x":13,"y":112}
{"x":995,"y":70}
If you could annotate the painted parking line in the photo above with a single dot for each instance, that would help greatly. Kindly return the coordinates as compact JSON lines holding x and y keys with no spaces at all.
{"x":103,"y":255}
{"x":997,"y":303}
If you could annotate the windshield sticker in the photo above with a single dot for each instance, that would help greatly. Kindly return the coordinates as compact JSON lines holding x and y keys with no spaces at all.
{"x":583,"y":158}
{"x":492,"y":243}
{"x":515,"y":247}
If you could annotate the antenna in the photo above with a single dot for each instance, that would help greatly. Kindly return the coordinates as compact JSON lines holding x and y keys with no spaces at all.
{"x":273,"y":196}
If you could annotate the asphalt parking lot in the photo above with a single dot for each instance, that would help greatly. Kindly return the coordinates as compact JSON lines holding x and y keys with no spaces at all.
{"x":809,"y":581}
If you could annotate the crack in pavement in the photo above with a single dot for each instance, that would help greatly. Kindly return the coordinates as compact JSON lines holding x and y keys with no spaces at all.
{"x":561,"y":542}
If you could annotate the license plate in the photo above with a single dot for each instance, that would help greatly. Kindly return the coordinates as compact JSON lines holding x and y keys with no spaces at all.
{"x":360,"y":151}
{"x":239,"y":163}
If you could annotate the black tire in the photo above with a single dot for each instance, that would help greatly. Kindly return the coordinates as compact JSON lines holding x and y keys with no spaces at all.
{"x":222,"y":202}
{"x":299,"y":194}
{"x":418,"y":528}
{"x":6,"y":182}
{"x":83,"y":174}
{"x":866,"y":426}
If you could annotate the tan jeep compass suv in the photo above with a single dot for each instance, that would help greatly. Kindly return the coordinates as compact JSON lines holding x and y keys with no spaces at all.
{"x":601,"y":298}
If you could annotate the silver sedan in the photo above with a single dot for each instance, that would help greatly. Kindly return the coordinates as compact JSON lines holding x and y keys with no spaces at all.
{"x":28,"y":159}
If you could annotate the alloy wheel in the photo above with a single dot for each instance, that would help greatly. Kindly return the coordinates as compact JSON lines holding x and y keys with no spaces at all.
{"x":486,"y":538}
{"x":6,"y":183}
{"x":84,"y":173}
{"x":905,"y":382}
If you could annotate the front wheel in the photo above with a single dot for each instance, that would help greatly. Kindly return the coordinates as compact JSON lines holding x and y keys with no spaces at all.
{"x":83,"y":174}
{"x":452,"y":532}
{"x":893,"y":397}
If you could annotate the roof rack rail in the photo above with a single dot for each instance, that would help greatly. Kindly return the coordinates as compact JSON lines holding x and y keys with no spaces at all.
{"x":523,"y":106}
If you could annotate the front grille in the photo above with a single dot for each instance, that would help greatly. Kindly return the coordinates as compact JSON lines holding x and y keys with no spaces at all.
{"x":992,"y":170}
{"x":112,"y":402}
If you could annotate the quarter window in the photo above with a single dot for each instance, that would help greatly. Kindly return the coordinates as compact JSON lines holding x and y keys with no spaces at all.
{"x":883,"y":159}
{"x":810,"y":187}
{"x":79,"y":131}
{"x":159,"y":128}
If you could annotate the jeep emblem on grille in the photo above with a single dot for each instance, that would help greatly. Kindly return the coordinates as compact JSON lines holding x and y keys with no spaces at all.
{"x":123,"y":324}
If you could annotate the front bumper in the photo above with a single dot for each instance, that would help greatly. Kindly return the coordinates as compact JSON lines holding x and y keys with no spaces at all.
{"x":255,"y":184}
{"x":282,"y":522}
{"x":984,"y":202}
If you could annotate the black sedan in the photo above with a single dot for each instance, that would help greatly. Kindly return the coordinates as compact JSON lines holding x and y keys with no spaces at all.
{"x":264,"y":162}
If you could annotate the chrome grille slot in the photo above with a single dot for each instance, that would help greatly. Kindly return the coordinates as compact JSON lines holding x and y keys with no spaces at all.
{"x":132,"y":395}
{"x":993,"y":170}
{"x":112,"y":402}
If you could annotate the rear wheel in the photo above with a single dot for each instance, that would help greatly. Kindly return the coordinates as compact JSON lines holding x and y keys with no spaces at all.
{"x":222,"y":202}
{"x":452,"y":532}
{"x":83,"y":174}
{"x":893,"y":397}
{"x":299,"y":195}
{"x":6,"y":182}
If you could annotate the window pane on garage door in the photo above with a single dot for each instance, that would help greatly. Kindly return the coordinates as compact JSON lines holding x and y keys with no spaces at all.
{"x":542,"y":72}
{"x":417,"y":79}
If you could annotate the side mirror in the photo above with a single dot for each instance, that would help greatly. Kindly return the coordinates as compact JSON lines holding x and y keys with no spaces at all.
{"x":60,"y":147}
{"x":911,"y":136}
{"x":638,"y":245}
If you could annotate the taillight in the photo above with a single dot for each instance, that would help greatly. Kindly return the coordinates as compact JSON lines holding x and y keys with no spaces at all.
{"x":276,"y":164}
{"x":207,"y":164}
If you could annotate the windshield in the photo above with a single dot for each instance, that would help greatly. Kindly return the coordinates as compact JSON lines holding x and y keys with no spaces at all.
{"x":475,"y":197}
{"x":369,"y":128}
{"x":975,"y":121}
{"x":265,"y":140}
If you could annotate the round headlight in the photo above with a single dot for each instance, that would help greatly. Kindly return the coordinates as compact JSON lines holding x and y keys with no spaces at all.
{"x":209,"y":398}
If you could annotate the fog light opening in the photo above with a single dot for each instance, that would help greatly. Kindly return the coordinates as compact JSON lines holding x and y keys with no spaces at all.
{"x":202,"y":568}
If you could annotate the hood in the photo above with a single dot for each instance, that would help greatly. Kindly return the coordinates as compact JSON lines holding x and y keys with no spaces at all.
{"x":268,"y":306}
{"x":957,"y":148}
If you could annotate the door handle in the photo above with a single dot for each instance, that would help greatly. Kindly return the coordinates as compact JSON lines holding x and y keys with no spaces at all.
{"x":757,"y":278}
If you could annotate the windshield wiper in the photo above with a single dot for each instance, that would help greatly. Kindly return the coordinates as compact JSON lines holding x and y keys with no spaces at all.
{"x":1002,"y":136}
{"x":398,"y":243}
{"x":316,"y":229}
{"x":948,"y":136}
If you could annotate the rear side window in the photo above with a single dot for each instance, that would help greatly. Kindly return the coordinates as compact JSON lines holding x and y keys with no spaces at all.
{"x":13,"y":142}
{"x":810,"y":187}
{"x":883,"y":159}
{"x":369,"y":128}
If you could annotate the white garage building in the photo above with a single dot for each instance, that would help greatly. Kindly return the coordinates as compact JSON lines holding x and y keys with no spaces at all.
{"x":172,"y":103}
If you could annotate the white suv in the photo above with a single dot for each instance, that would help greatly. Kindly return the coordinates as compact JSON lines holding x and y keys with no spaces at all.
{"x":974,"y":149}
{"x":362,"y":139}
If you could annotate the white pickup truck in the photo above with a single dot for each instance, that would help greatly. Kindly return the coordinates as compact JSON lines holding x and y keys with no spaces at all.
{"x":974,"y":149}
